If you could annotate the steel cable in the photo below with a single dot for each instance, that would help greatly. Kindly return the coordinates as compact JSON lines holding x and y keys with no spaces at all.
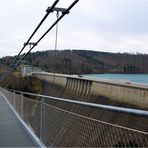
{"x":12,"y":66}
{"x":39,"y":25}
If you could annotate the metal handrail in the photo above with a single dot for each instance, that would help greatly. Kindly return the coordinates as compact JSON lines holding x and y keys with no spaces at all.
{"x":137,"y":112}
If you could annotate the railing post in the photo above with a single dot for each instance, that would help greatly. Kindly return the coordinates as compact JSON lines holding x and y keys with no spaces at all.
{"x":22,"y":106}
{"x":14,"y":99}
{"x":42,"y":120}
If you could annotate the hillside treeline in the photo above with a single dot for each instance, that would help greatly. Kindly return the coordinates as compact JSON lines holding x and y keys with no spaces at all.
{"x":84,"y":62}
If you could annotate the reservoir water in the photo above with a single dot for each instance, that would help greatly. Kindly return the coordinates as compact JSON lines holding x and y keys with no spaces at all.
{"x":135,"y":78}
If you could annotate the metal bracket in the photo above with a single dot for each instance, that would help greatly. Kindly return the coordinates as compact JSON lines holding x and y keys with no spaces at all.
{"x":57,"y":9}
{"x":30,"y":43}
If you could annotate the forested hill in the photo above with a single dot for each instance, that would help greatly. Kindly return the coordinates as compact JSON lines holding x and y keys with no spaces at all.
{"x":84,"y":61}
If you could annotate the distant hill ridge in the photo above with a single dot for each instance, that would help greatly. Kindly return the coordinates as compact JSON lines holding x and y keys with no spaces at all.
{"x":85,"y":61}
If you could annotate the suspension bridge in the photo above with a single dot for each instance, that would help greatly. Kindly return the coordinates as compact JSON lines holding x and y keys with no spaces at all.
{"x":35,"y":120}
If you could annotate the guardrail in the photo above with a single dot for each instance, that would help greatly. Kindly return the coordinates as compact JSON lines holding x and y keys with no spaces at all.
{"x":58,"y":127}
{"x":136,"y":112}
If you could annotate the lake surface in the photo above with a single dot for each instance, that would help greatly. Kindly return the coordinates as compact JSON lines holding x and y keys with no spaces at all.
{"x":135,"y":78}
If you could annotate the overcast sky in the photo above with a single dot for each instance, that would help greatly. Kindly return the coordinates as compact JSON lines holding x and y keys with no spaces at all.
{"x":103,"y":25}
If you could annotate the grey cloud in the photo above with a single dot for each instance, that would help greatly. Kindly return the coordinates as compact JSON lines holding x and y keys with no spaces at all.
{"x":107,"y":25}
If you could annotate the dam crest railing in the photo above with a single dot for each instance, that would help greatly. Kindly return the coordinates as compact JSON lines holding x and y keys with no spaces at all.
{"x":56,"y":126}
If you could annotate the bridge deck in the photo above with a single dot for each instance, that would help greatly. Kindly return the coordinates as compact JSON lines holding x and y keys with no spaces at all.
{"x":12,"y":132}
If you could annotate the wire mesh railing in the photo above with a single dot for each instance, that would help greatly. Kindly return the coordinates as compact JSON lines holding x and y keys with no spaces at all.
{"x":58,"y":127}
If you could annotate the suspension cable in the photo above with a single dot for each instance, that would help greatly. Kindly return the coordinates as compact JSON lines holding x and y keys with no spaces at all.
{"x":56,"y":37}
{"x":38,"y":26}
{"x":56,"y":44}
{"x":63,"y":14}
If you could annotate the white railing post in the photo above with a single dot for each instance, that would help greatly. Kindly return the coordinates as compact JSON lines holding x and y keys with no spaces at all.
{"x":22,"y":106}
{"x":42,"y":120}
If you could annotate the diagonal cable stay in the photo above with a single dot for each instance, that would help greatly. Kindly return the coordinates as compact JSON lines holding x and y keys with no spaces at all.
{"x":39,"y":25}
{"x":13,"y":64}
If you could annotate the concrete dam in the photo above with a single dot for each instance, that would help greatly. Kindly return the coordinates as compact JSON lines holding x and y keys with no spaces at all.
{"x":78,"y":86}
{"x":95,"y":91}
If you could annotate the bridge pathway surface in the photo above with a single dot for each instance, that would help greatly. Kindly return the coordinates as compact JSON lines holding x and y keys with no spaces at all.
{"x":12,"y":131}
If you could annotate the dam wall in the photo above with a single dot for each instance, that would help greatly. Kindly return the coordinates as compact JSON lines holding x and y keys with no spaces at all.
{"x":57,"y":79}
{"x":123,"y":92}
